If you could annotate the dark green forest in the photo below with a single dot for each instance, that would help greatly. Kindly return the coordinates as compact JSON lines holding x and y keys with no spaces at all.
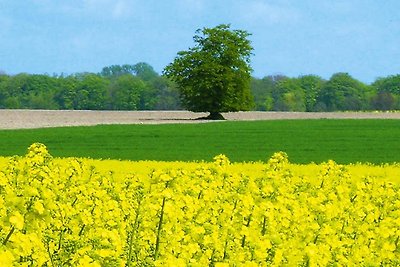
{"x":139,"y":87}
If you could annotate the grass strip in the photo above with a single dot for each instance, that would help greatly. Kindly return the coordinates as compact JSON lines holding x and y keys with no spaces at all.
{"x":345,"y":141}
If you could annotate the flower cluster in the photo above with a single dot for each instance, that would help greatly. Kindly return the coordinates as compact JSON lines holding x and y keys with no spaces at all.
{"x":68,"y":212}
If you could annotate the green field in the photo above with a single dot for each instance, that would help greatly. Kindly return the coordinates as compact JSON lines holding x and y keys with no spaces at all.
{"x":345,"y":141}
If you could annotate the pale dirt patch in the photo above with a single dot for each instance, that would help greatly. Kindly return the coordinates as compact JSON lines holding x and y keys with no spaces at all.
{"x":22,"y":119}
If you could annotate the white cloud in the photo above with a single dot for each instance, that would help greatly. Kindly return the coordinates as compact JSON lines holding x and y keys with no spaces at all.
{"x":267,"y":13}
{"x":191,"y":7}
{"x":115,"y":9}
{"x":42,"y":2}
{"x":195,"y":4}
{"x":338,"y":6}
{"x":120,"y":9}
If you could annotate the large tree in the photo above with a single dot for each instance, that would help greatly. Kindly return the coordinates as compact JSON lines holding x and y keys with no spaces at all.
{"x":214,"y":75}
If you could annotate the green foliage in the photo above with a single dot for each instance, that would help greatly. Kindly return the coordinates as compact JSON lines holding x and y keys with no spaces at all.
{"x":66,"y":92}
{"x":388,"y":84}
{"x":91,"y":92}
{"x":345,"y":141}
{"x":26,"y":91}
{"x":262,"y":92}
{"x":3,"y":90}
{"x":125,"y":92}
{"x":289,"y":96}
{"x":214,"y":75}
{"x":388,"y":93}
{"x":144,"y":71}
{"x":126,"y":87}
{"x":139,"y":87}
{"x":311,"y":85}
{"x":282,"y":93}
{"x":117,"y":70}
{"x":167,"y":94}
{"x":311,"y":93}
{"x":342,"y":92}
{"x":385,"y":101}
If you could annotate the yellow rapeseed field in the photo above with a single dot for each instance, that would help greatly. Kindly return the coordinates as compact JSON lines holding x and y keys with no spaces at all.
{"x":85,"y":212}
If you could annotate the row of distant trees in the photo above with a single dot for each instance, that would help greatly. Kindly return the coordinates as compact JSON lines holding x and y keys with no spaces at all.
{"x":139,"y":87}
{"x":312,"y":93}
{"x":125,"y":87}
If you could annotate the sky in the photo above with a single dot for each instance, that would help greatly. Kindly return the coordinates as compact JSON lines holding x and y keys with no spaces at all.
{"x":290,"y":37}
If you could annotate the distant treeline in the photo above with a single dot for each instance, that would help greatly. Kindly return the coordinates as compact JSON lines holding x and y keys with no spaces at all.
{"x":126,"y":87}
{"x":139,"y":87}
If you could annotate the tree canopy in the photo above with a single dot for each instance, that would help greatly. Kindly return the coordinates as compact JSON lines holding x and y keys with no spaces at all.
{"x":214,"y":76}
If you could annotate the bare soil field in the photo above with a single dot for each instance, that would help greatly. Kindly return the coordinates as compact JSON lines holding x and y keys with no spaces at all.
{"x":24,"y":119}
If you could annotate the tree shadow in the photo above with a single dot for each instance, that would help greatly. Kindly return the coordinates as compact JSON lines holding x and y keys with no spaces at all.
{"x":213,"y":116}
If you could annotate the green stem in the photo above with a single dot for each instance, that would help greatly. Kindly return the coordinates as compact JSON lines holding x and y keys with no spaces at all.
{"x":159,"y":230}
{"x":81,"y":231}
{"x":212,"y":259}
{"x":134,"y":230}
{"x":74,"y":202}
{"x":225,"y":248}
{"x":244,"y":236}
{"x":316,"y":238}
{"x":227,"y":238}
{"x":264,"y":227}
{"x":60,"y":239}
{"x":130,"y":249}
{"x":50,"y":256}
{"x":243,"y":240}
{"x":9,"y":235}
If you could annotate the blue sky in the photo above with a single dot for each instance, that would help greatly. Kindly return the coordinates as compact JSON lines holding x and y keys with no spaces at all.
{"x":290,"y":37}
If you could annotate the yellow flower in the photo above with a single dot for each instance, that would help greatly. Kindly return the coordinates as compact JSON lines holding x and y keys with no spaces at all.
{"x":6,"y":258}
{"x":233,"y":214}
{"x":38,"y":206}
{"x":17,"y":220}
{"x":87,"y":261}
